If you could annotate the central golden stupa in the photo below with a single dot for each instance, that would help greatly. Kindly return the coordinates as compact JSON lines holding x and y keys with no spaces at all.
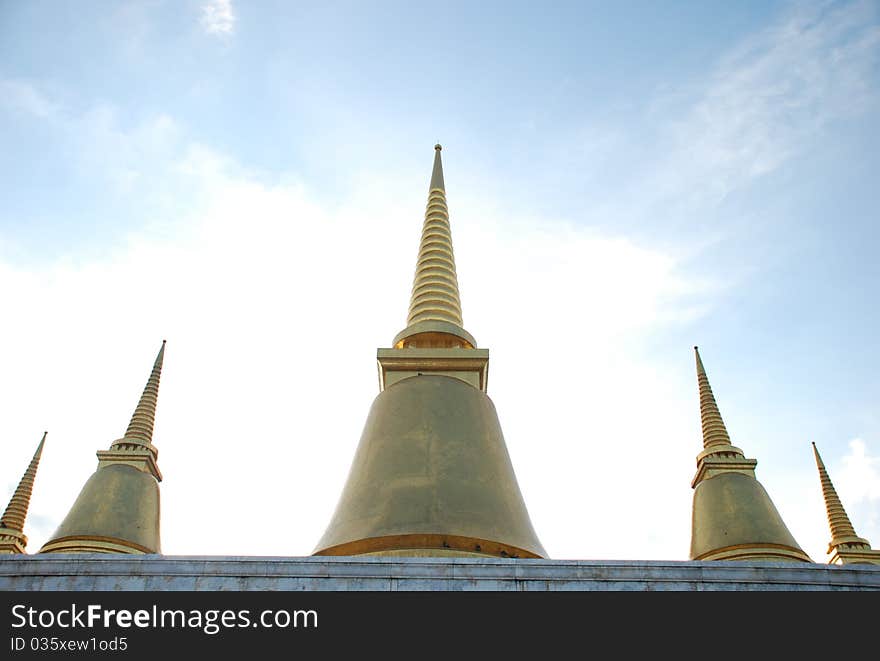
{"x":432,"y":475}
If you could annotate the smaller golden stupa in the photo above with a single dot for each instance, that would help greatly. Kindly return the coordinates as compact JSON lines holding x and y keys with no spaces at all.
{"x":845,"y":546}
{"x":12,"y":537}
{"x":117,"y":510}
{"x":733,"y":517}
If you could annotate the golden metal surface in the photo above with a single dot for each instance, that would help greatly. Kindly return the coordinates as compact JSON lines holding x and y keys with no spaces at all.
{"x":733,"y":517}
{"x":428,"y":545}
{"x":117,"y":510}
{"x":722,"y":459}
{"x":845,"y":546}
{"x":12,"y":541}
{"x":12,"y":537}
{"x":434,"y":334}
{"x":469,"y":365}
{"x":94,"y":544}
{"x":117,"y":503}
{"x":431,"y":466}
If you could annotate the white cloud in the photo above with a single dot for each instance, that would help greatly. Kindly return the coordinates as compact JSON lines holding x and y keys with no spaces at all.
{"x":218,"y":17}
{"x":98,"y":143}
{"x":125,"y":157}
{"x":860,"y":475}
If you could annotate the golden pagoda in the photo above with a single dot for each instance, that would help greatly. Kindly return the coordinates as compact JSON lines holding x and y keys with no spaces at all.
{"x":733,"y":517}
{"x":117,"y":510}
{"x":845,"y":546}
{"x":12,"y":537}
{"x":432,"y":475}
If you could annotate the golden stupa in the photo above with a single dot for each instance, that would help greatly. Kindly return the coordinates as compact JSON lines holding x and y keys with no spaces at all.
{"x":845,"y":546}
{"x":117,"y":510}
{"x":12,"y":537}
{"x":733,"y":517}
{"x":432,"y":475}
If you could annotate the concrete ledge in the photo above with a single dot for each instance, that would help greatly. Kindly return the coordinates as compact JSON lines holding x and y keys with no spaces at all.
{"x":104,"y":572}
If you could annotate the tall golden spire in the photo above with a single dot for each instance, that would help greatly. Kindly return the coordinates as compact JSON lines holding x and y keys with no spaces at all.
{"x":435,"y":294}
{"x":434,"y":340}
{"x":117,"y":510}
{"x":12,"y":537}
{"x":733,"y":517}
{"x":434,"y":318}
{"x":845,"y":546}
{"x":714,"y":431}
{"x":432,"y":475}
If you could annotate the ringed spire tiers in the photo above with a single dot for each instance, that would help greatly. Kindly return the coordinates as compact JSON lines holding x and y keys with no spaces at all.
{"x":140,"y":429}
{"x":733,"y":517}
{"x":12,"y":537}
{"x":434,"y":318}
{"x":117,"y":510}
{"x":714,"y":431}
{"x":845,"y":546}
{"x":432,"y":475}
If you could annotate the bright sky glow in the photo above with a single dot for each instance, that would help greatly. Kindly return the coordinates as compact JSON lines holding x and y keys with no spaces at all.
{"x":248,"y":182}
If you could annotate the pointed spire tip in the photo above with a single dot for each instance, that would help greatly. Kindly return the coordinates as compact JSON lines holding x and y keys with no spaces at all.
{"x":40,"y":445}
{"x":141,"y":426}
{"x":438,"y":147}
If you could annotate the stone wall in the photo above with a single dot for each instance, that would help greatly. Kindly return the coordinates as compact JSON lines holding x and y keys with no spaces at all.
{"x":159,"y":572}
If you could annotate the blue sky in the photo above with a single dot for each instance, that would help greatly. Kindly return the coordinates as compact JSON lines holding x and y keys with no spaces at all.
{"x":625,"y":180}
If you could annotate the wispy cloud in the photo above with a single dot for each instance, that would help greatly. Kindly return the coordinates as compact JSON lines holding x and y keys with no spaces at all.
{"x":769,"y":96}
{"x":218,"y":17}
{"x":764,"y":104}
{"x":97,"y":136}
{"x":24,"y":96}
